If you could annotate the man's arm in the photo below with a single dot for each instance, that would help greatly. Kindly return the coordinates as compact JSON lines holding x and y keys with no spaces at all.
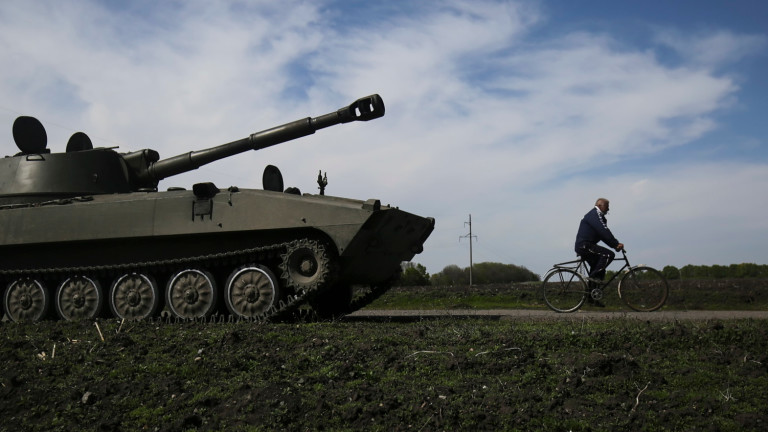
{"x":602,"y":230}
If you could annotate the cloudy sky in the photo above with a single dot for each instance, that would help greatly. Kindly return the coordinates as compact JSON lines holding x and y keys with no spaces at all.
{"x":520,"y":113}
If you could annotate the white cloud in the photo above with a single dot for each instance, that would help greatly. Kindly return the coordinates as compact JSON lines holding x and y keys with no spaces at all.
{"x":482,"y":116}
{"x":712,"y":49}
{"x":673,"y":214}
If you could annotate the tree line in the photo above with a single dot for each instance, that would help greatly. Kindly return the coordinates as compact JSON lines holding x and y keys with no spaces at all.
{"x":733,"y":271}
{"x":414,"y":274}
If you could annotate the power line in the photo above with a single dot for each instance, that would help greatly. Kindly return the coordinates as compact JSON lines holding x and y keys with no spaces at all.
{"x":470,"y":236}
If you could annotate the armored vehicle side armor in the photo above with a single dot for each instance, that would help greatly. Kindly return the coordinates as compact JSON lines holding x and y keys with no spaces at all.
{"x":86,"y":233}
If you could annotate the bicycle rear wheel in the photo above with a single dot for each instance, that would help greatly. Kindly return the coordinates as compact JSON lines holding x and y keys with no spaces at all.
{"x":643,"y":289}
{"x":564,"y":290}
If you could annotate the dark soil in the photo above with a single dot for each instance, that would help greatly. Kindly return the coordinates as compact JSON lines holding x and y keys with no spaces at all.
{"x":446,"y":374}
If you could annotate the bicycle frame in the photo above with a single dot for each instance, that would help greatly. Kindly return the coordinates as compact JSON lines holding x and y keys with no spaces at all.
{"x":567,"y":286}
{"x":580,"y":267}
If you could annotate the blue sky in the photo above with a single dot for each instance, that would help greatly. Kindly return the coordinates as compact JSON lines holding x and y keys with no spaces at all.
{"x":520,"y":113}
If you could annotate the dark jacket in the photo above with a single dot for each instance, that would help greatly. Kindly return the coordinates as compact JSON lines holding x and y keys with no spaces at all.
{"x":592,"y":229}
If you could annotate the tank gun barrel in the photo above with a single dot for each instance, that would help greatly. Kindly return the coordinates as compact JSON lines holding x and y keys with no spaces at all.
{"x":363,"y":109}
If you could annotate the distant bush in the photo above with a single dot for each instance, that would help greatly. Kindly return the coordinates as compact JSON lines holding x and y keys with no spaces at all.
{"x":451,"y":275}
{"x":483,"y":273}
{"x":413,"y":274}
{"x":738,"y":271}
{"x":733,"y":271}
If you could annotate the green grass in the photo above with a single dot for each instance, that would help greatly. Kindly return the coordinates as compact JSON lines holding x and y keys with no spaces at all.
{"x":734,"y":294}
{"x":521,"y":296}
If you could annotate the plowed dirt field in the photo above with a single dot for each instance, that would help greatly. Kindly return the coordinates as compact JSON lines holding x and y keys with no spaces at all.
{"x":445,"y":373}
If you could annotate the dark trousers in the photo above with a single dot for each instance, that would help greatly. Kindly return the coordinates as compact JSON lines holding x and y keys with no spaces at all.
{"x":597,"y":257}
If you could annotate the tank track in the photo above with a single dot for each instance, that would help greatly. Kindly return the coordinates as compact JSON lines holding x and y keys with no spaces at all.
{"x":362,"y":296}
{"x":374,"y":292}
{"x":139,"y":265}
{"x":285,"y":308}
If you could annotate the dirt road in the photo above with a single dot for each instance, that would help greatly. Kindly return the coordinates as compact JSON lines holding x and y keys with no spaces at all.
{"x":544,"y":314}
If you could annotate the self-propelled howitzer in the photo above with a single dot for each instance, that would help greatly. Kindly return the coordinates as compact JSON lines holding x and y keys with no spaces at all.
{"x":87,"y":228}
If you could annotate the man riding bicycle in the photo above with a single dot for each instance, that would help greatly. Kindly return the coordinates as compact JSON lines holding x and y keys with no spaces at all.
{"x":592,"y":229}
{"x":565,"y":287}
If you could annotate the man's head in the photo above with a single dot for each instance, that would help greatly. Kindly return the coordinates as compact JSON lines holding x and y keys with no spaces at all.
{"x":603,"y":205}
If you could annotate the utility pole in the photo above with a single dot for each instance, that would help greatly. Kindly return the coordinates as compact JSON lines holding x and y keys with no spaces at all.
{"x":470,"y":246}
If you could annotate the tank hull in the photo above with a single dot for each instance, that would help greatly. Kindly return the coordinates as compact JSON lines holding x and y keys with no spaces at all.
{"x":158,"y":233}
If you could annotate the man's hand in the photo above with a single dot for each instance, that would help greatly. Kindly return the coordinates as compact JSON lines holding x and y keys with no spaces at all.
{"x":619,"y":247}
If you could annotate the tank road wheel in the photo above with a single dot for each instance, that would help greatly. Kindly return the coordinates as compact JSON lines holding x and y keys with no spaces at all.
{"x":134,"y":296}
{"x":26,"y":300}
{"x":77,"y":298}
{"x":250,"y":291}
{"x":191,"y":293}
{"x":305,"y":265}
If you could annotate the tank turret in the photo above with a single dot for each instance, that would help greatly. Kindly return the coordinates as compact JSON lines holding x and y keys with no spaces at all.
{"x":35,"y":174}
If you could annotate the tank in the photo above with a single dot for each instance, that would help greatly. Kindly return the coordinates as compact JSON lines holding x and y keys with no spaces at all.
{"x":86,"y":233}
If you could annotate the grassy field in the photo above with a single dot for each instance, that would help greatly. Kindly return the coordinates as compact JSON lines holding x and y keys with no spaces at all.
{"x":732,"y":294}
{"x":446,"y":374}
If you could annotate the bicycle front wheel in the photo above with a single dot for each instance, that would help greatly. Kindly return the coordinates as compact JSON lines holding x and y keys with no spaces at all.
{"x":643,"y":289}
{"x":564,"y":290}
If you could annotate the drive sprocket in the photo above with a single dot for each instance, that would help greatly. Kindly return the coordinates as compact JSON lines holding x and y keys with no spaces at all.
{"x":306,"y":265}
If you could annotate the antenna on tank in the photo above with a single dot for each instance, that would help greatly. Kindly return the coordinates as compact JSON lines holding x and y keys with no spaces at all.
{"x":322,"y":181}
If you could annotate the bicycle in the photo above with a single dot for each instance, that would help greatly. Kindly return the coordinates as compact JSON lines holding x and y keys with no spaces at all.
{"x":642,"y":288}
